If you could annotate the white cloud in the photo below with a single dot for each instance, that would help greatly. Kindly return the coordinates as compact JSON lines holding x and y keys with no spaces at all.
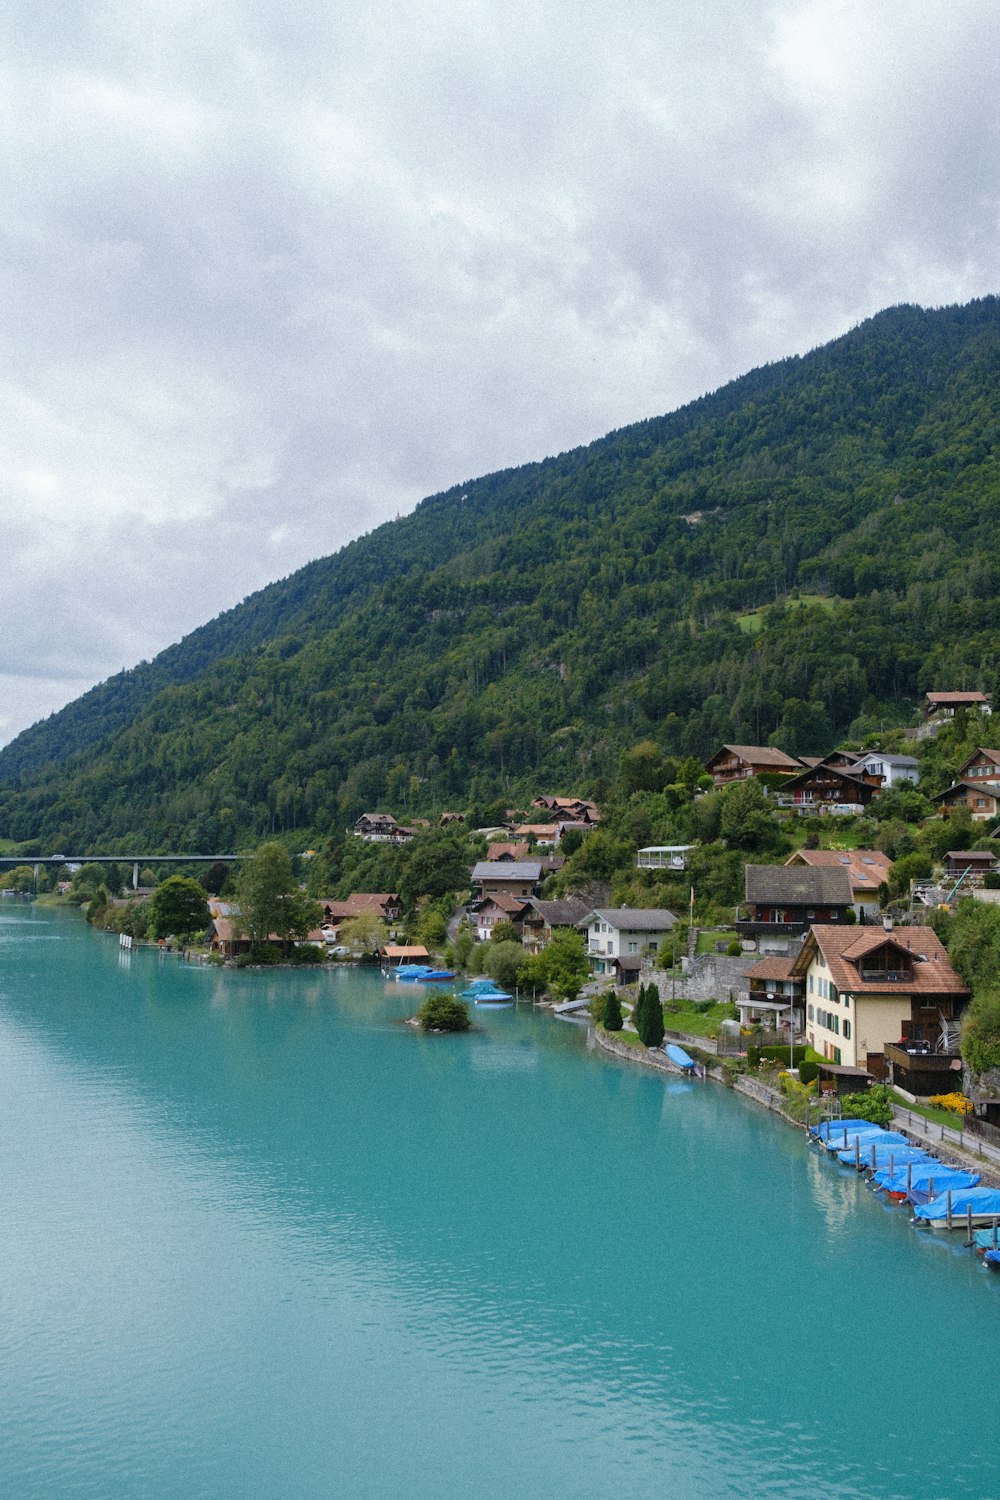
{"x":271,"y":274}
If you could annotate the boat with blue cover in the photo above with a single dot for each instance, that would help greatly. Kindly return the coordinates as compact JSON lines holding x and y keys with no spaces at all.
{"x":422,"y":974}
{"x":871,"y":1135}
{"x":680,"y":1058}
{"x":825,"y":1128}
{"x":487,"y":993}
{"x":876,"y":1158}
{"x":987,"y":1239}
{"x":927,"y":1189}
{"x":954,"y":1209}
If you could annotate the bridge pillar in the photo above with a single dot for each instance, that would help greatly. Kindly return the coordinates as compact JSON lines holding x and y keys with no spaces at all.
{"x":37,"y":871}
{"x":135,"y":876}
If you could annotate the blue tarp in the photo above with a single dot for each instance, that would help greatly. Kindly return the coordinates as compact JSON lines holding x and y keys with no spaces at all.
{"x":942,"y":1182}
{"x":825,"y":1127}
{"x":892,"y":1155}
{"x":869,"y":1135}
{"x":982,"y":1200}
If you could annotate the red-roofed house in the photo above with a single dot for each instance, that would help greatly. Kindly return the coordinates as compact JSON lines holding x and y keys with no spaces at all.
{"x":888,"y":1002}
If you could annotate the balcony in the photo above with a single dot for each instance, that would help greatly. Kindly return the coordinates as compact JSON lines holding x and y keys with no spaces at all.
{"x":753,"y":929}
{"x":887,"y":976}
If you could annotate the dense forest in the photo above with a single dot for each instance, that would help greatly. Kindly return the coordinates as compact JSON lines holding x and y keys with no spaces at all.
{"x":795,"y":557}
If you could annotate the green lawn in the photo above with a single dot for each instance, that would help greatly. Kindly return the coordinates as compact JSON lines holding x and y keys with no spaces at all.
{"x":682,"y":1016}
{"x":753,"y":621}
{"x":707,"y":940}
{"x":929,"y":1112}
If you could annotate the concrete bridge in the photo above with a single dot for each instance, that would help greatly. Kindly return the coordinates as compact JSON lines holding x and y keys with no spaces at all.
{"x":135,"y":860}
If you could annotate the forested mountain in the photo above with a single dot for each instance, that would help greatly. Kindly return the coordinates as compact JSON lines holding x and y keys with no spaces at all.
{"x":519,"y":631}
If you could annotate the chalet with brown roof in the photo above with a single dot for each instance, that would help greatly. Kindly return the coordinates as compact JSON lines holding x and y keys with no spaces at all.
{"x":982,"y":798}
{"x":569,"y":809}
{"x":782,"y":901}
{"x":829,"y":788}
{"x":503,"y":851}
{"x":493,"y":909}
{"x":867,"y":869}
{"x":542,"y":918}
{"x":886,"y":1001}
{"x":970,"y":866}
{"x":376,"y":827}
{"x":739,"y":762}
{"x":775,"y":995}
{"x":947,"y":705}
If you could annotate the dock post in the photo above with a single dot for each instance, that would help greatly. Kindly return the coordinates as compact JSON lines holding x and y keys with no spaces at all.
{"x":948,"y":1214}
{"x":857,"y":1153}
{"x":968,"y":1210}
{"x":909,"y":1177}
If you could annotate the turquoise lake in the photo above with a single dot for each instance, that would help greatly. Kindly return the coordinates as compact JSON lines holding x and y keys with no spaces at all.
{"x":262,"y":1240}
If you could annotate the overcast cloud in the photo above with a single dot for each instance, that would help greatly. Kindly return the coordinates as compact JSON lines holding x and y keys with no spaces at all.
{"x":271,"y":274}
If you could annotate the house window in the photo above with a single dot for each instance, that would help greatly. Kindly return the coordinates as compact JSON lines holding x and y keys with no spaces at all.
{"x":847,"y":1031}
{"x":633,"y":947}
{"x":836,"y":1056}
{"x":846,"y":1001}
{"x":812,"y":1014}
{"x":810,"y":984}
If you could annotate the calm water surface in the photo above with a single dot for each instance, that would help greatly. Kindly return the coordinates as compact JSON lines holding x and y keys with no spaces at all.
{"x":261,"y":1240}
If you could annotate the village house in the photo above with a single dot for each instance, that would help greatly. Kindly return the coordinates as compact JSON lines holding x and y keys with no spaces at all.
{"x":977,"y":787}
{"x":620,"y":938}
{"x":885,"y":1001}
{"x":829,"y":788}
{"x":508,"y":877}
{"x":969,"y":867}
{"x":947,"y":705}
{"x":540,"y":919}
{"x":490,"y":910}
{"x":782,"y":901}
{"x":545,"y":835}
{"x":739,"y":762}
{"x":507,"y":851}
{"x":867,"y":869}
{"x":775,"y":995}
{"x":569,"y":809}
{"x":376,"y":827}
{"x":888,"y":770}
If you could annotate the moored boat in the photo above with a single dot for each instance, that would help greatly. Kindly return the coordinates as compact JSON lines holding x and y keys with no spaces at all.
{"x":954,"y":1210}
{"x":486,"y":993}
{"x":680,"y":1058}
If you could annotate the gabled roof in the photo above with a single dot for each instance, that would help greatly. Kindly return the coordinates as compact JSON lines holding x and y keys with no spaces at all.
{"x":512,"y":905}
{"x":632,"y":918}
{"x":770,"y":968}
{"x":946,"y":699}
{"x":759,"y":755}
{"x":992,"y":787}
{"x":506,"y":869}
{"x":992,"y":755}
{"x":506,"y":851}
{"x":844,"y":948}
{"x":565,"y":913}
{"x":866,"y":868}
{"x":798,"y":885}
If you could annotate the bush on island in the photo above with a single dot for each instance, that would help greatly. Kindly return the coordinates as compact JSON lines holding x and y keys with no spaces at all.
{"x":443,"y":1013}
{"x":308,"y":953}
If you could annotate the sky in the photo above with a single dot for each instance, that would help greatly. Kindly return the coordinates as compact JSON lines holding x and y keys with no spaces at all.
{"x":273,"y":273}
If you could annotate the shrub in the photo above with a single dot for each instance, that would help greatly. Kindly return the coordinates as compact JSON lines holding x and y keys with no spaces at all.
{"x":264,"y":953}
{"x":779,"y":1054}
{"x":753,"y":1056}
{"x":734,"y":950}
{"x":443,"y":1013}
{"x":808,"y":1071}
{"x":874,"y":1104}
{"x":308,"y":953}
{"x":612,"y":1011}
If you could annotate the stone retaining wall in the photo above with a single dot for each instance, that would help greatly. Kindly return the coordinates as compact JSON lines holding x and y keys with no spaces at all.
{"x":710,"y":977}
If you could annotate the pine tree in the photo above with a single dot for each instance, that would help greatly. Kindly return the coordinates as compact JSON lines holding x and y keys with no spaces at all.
{"x":648,"y":1016}
{"x":612,"y":1012}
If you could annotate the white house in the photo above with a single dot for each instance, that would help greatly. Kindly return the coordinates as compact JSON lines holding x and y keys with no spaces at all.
{"x":892,"y":768}
{"x":620,"y":938}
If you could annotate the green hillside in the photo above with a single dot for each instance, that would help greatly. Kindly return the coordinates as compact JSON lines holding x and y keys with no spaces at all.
{"x":809,"y":548}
